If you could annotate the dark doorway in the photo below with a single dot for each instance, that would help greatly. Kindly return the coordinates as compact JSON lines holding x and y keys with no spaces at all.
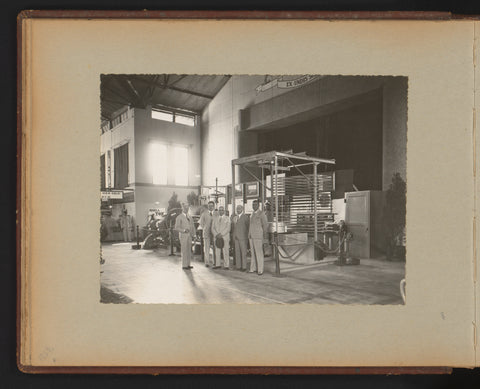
{"x":120,"y":155}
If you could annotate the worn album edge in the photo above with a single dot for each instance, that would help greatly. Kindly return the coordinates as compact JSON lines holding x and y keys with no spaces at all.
{"x":22,"y":225}
{"x":476,"y":189}
{"x":23,"y":128}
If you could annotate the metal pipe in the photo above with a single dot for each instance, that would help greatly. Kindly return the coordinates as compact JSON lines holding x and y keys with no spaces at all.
{"x":305,"y":158}
{"x":304,"y":175}
{"x":253,"y":175}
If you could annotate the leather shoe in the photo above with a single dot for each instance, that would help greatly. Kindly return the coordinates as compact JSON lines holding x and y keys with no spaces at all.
{"x":215,"y":267}
{"x":260,"y":274}
{"x":190,"y":267}
{"x":185,"y":268}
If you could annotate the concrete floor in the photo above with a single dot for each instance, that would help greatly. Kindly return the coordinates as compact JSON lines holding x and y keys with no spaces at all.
{"x":144,"y":276}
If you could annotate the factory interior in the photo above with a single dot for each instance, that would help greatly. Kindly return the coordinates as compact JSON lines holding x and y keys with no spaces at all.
{"x":323,"y":156}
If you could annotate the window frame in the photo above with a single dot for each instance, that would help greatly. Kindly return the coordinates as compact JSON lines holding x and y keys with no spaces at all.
{"x":175,"y":113}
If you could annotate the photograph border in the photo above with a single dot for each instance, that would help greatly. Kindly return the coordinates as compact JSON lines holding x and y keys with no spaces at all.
{"x":289,"y":15}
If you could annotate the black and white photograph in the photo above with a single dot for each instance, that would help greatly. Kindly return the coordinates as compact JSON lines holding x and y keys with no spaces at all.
{"x":318,"y":214}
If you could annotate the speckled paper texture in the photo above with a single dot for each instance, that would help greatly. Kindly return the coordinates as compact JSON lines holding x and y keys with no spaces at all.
{"x":65,"y":323}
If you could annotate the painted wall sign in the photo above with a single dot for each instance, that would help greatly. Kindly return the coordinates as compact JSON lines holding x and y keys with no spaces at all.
{"x":111,"y":194}
{"x":284,"y":84}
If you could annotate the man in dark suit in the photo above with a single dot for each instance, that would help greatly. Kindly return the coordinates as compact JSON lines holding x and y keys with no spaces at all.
{"x":241,"y":224}
{"x":186,"y":229}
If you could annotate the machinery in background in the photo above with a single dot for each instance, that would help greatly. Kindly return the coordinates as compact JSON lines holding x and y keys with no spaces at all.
{"x":159,"y":230}
{"x":343,"y":237}
{"x":300,"y":210}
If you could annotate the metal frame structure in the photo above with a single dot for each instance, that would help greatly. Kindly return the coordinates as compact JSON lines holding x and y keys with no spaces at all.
{"x":271,"y":161}
{"x":218,"y":193}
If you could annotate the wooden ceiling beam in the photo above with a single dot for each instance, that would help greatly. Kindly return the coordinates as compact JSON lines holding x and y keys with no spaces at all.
{"x":134,"y":97}
{"x":181,"y":90}
{"x":126,"y":101}
{"x":178,"y":79}
{"x":197,"y":94}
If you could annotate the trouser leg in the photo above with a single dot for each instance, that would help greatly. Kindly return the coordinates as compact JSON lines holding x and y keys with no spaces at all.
{"x":258,"y":244}
{"x":216,"y":262}
{"x":253,"y":263}
{"x":186,"y":251}
{"x":238,"y":254}
{"x":218,"y":256}
{"x":226,"y":251}
{"x":243,"y":253}
{"x":206,"y":250}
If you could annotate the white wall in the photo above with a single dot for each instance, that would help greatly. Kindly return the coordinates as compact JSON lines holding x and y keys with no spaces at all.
{"x":220,"y":121}
{"x":148,"y":131}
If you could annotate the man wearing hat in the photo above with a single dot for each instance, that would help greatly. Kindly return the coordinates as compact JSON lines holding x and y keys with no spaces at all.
{"x":186,"y":230}
{"x":221,"y":229}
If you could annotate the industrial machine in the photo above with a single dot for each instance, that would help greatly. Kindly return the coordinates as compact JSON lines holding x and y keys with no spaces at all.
{"x":159,"y":231}
{"x":302,"y":221}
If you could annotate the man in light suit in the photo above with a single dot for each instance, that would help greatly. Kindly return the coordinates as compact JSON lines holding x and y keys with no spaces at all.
{"x":257,"y":234}
{"x":186,"y":229}
{"x":126,"y":225}
{"x":206,"y":220}
{"x":221,"y":227}
{"x":241,"y":224}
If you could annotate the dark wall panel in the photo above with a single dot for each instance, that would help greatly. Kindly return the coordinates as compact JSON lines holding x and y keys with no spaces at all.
{"x":353,"y":137}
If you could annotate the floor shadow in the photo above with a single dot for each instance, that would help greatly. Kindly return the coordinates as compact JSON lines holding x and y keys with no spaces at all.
{"x":108,"y":296}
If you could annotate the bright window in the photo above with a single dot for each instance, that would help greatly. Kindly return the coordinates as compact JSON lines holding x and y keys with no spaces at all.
{"x":158,"y":163}
{"x":173,"y":116}
{"x":162,"y":115}
{"x":183,"y":119}
{"x":180,"y":165}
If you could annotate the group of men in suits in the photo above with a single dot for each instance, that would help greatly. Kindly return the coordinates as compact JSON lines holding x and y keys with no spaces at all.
{"x":216,"y":227}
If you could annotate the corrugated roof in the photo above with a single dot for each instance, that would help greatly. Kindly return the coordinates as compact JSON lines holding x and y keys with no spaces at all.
{"x":183,"y":91}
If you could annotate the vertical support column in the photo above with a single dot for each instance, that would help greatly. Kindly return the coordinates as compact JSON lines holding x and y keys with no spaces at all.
{"x":262,"y":188}
{"x":275,"y":166}
{"x":315,"y":193}
{"x":137,"y":246}
{"x":233,"y":189}
{"x":172,"y":254}
{"x":275,"y":234}
{"x":316,"y":249}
